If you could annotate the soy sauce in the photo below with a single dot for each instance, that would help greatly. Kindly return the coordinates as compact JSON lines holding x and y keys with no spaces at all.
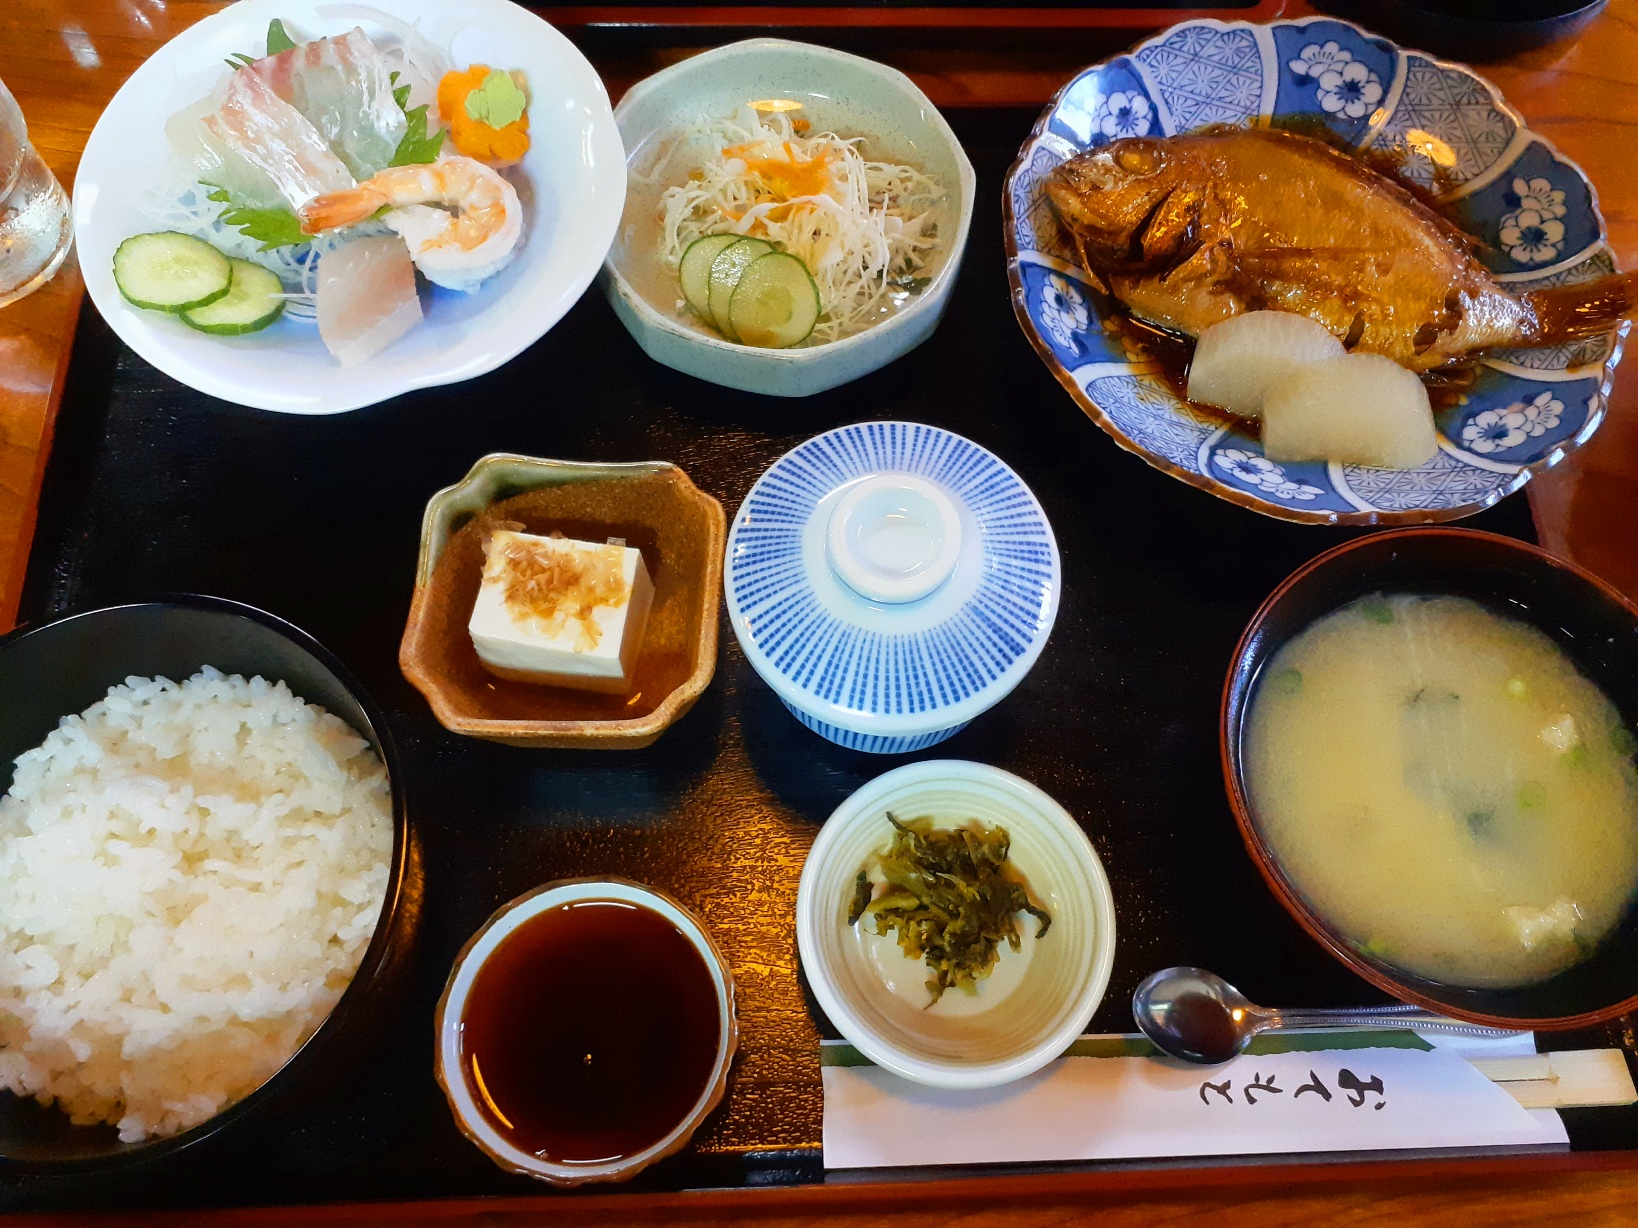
{"x":590,"y":1032}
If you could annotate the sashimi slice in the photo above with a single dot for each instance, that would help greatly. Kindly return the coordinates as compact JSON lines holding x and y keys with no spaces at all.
{"x":278,"y":140}
{"x":419,"y":63}
{"x":214,"y":162}
{"x":366,"y":297}
{"x":343,"y":87}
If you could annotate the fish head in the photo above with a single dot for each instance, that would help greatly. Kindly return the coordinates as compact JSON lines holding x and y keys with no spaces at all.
{"x":1131,"y":203}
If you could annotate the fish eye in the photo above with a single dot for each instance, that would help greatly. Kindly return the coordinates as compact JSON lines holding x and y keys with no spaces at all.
{"x":1136,"y":160}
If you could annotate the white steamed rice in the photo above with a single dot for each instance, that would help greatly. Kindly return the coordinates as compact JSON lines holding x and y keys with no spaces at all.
{"x":189,"y":876}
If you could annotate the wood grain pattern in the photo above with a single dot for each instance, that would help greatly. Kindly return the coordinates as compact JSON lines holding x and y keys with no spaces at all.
{"x":1587,"y":1191}
{"x":64,"y":61}
{"x":1580,"y":96}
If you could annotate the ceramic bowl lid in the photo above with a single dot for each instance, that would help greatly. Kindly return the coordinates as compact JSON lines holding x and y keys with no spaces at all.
{"x":891,"y":578}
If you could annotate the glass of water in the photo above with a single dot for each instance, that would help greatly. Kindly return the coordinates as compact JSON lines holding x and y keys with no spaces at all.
{"x":35,"y":229}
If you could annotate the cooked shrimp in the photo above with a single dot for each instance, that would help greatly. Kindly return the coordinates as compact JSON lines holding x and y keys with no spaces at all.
{"x":461,"y":220}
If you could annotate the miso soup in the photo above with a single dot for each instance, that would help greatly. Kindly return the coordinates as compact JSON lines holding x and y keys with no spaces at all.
{"x":1444,"y":786}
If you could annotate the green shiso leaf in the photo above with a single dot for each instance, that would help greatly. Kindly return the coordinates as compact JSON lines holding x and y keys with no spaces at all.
{"x":416,"y":147}
{"x":269,"y":227}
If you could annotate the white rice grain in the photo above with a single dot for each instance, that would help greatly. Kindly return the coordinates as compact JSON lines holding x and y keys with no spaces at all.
{"x":189,"y":876}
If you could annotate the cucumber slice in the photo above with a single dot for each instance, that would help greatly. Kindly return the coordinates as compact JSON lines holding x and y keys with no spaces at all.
{"x":776,"y":303}
{"x":169,"y":271}
{"x":726,"y":268}
{"x":695,"y":270}
{"x":252,"y":302}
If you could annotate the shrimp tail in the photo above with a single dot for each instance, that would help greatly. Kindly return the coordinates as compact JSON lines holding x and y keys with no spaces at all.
{"x":1570,"y":313}
{"x":334,"y":209}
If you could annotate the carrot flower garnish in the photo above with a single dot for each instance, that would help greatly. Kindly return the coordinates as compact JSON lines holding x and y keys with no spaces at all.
{"x":487,"y":113}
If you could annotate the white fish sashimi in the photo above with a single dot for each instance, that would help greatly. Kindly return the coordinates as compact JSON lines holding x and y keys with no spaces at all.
{"x":343,"y":86}
{"x":420,"y":63}
{"x":216,"y":164}
{"x":278,"y":140}
{"x":366,"y":297}
{"x":296,"y":124}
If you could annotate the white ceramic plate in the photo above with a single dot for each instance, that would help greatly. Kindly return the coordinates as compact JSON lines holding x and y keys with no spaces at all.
{"x":573,"y":182}
{"x":1037,"y":999}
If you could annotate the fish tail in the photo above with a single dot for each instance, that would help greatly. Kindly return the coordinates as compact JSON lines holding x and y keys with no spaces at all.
{"x":1570,"y":313}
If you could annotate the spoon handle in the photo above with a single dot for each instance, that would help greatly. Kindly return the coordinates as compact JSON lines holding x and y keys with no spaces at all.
{"x":1408,"y":1017}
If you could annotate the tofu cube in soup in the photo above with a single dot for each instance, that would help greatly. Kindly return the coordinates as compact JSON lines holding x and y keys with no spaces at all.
{"x":563,"y":612}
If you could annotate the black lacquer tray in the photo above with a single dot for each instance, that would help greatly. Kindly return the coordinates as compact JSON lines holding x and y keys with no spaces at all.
{"x":154,"y":488}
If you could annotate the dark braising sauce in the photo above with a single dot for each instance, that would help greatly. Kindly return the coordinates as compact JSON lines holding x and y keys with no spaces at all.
{"x":590,"y":1032}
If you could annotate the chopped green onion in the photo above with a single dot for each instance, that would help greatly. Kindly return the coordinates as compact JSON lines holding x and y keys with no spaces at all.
{"x":1377,"y":609}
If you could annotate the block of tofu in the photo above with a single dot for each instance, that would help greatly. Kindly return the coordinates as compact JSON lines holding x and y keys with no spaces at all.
{"x":561,"y":612}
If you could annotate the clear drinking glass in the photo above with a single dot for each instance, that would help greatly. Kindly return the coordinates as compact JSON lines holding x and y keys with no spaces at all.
{"x":35,"y":229}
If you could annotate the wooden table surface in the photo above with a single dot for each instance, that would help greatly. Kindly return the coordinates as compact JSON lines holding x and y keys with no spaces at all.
{"x":63,"y":59}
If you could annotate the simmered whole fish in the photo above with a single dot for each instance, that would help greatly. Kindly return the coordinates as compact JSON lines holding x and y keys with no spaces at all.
{"x":1189,"y":230}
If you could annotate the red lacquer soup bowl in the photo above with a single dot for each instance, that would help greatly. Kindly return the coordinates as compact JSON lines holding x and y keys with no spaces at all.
{"x":1589,"y":619}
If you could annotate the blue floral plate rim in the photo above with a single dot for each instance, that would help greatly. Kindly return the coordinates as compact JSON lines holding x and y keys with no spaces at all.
{"x":1263,"y":486}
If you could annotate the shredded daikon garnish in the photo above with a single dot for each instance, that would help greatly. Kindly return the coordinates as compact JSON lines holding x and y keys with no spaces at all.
{"x":866,"y":230}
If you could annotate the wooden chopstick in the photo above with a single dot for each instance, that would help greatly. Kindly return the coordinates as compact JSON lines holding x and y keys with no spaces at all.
{"x":1572,"y":1079}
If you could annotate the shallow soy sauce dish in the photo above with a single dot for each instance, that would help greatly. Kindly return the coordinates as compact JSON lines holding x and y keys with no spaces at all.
{"x":1587,"y":618}
{"x":844,"y":93}
{"x":890,"y":582}
{"x":452,"y":1056}
{"x":1033,"y":1004}
{"x":571,"y":182}
{"x":651,"y":505}
{"x":1527,"y":408}
{"x":52,"y":669}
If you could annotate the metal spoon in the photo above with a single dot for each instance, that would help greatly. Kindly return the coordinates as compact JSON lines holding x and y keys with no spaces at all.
{"x":1198,"y":1016}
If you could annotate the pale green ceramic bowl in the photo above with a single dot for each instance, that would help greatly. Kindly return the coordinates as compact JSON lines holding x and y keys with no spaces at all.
{"x":844,"y":93}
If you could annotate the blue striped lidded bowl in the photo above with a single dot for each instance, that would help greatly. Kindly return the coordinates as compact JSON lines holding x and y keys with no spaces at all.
{"x":890,"y":581}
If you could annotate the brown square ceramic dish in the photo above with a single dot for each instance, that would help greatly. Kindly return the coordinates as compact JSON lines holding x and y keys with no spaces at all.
{"x":656,"y":509}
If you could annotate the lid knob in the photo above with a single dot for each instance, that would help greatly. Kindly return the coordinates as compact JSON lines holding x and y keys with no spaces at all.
{"x":893,"y":538}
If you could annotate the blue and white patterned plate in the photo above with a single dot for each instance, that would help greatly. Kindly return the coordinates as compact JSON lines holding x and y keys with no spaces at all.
{"x":1534,"y":210}
{"x":887,"y":677}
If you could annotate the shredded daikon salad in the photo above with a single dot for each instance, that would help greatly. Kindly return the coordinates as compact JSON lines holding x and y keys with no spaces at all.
{"x":865,"y":230}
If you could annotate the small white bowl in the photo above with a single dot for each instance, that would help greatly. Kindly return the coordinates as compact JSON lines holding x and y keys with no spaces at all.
{"x":1037,"y":1000}
{"x":843,"y":93}
{"x":449,"y":1063}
